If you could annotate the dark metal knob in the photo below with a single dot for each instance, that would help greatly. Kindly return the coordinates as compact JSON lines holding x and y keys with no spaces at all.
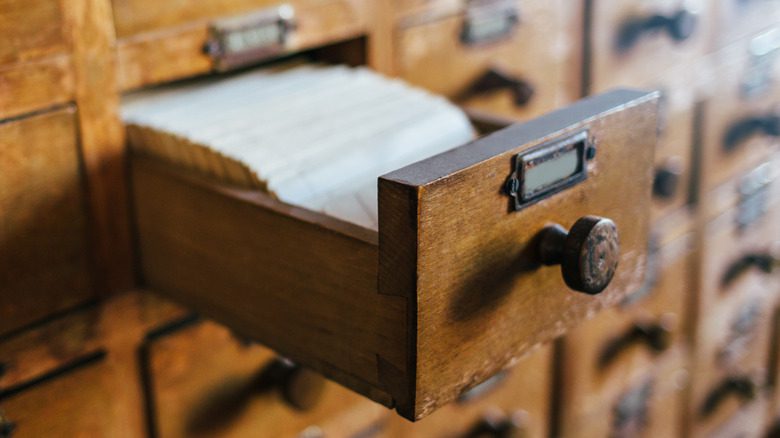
{"x":740,"y":131}
{"x":301,"y":388}
{"x":667,"y":179}
{"x":679,"y":26}
{"x":588,"y":253}
{"x":497,"y":79}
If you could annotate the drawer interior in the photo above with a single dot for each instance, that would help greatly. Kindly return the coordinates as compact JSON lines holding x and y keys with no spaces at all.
{"x":390,"y":313}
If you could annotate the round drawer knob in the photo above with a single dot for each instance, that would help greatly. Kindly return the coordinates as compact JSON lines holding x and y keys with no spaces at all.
{"x":300,"y":387}
{"x":588,"y":253}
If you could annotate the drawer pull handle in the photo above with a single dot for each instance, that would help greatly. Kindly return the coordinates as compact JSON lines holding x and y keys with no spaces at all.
{"x":741,"y":387}
{"x":656,"y":337}
{"x":301,"y":388}
{"x":498,"y":79}
{"x":667,"y":179}
{"x":497,"y":424}
{"x":680,"y":26}
{"x":765,"y":262}
{"x":738,"y":132}
{"x":588,"y":253}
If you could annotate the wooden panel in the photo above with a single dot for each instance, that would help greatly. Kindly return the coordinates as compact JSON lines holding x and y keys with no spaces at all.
{"x":728,"y":72}
{"x":102,"y":142}
{"x":522,"y":392}
{"x":170,"y":39}
{"x":43,"y":252}
{"x":80,"y":403}
{"x":650,"y":405}
{"x":738,"y":19}
{"x":543,"y":51}
{"x":448,"y":241}
{"x":43,"y":349}
{"x":301,"y":283}
{"x":28,"y":86}
{"x":653,"y":53}
{"x":205,"y":382}
{"x":32,"y":29}
{"x":601,"y":355}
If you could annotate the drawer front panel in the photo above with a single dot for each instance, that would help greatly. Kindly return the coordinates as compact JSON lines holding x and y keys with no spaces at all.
{"x":43,"y":253}
{"x":205,"y":382}
{"x":81,"y":402}
{"x":31,"y":30}
{"x":533,"y":69}
{"x":648,"y":405}
{"x":635,"y":41}
{"x":518,"y":398}
{"x":449,"y":239}
{"x":740,"y":113}
{"x":624,"y":342}
{"x":739,"y":19}
{"x":165,"y":41}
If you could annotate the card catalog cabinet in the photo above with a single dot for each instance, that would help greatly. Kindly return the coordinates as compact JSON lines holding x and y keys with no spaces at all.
{"x":634,"y":294}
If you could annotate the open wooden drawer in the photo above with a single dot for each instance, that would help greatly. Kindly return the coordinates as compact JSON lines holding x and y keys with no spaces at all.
{"x":451,"y":289}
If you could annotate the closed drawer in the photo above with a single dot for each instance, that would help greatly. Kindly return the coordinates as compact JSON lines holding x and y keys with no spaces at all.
{"x":516,"y":401}
{"x":601,"y":357}
{"x":205,"y":382}
{"x":634,"y":41}
{"x":731,"y":361}
{"x":519,"y":58}
{"x":648,"y":405}
{"x":450,"y":290}
{"x":80,"y":402}
{"x":164,"y":41}
{"x":35,"y":56}
{"x":43,"y":251}
{"x":741,"y":118}
{"x":738,"y":250}
{"x":738,"y":19}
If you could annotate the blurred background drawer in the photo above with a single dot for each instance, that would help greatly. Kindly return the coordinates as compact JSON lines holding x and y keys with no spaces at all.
{"x":520,"y":61}
{"x":738,"y":19}
{"x":515,"y":402}
{"x":741,"y":120}
{"x":632,"y":42}
{"x":34,"y":56}
{"x":44,"y":263}
{"x":649,"y":405}
{"x":206,"y":382}
{"x":164,"y":41}
{"x":605,"y":356}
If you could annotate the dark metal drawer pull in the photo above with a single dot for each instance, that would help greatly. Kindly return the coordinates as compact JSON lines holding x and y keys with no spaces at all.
{"x":740,"y":131}
{"x":764,"y":261}
{"x":499,"y":79}
{"x":496,"y":424}
{"x":741,"y":387}
{"x":680,"y":26}
{"x":656,"y":337}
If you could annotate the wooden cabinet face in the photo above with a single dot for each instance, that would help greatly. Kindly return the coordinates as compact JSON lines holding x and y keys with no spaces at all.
{"x":519,"y":395}
{"x":649,"y":405}
{"x":535,"y":67}
{"x":635,"y":41}
{"x":738,"y":19}
{"x":80,"y":403}
{"x":602,"y":356}
{"x":741,"y":110}
{"x":205,"y":382}
{"x":43,"y":252}
{"x":31,"y":30}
